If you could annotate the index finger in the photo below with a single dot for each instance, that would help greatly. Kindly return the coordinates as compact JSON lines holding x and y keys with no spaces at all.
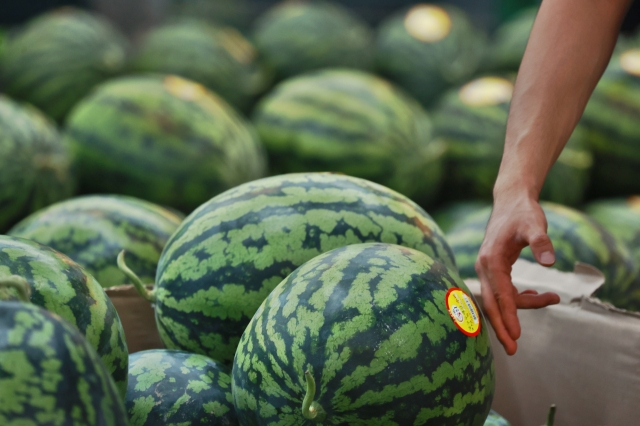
{"x":492,"y":310}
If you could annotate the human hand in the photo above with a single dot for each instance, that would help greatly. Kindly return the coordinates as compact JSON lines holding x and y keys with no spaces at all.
{"x":516,"y":222}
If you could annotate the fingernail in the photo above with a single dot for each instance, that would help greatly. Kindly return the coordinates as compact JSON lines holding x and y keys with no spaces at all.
{"x":547,"y":258}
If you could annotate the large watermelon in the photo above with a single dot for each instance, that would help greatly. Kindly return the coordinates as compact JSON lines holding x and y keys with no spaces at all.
{"x":451,"y":214}
{"x":50,"y":375}
{"x":58,"y":57}
{"x":217,"y":57}
{"x":510,"y":41}
{"x":92,"y":230}
{"x":612,"y":115}
{"x":575,"y":237}
{"x":34,"y":163}
{"x":473,"y":120}
{"x":178,"y":388}
{"x":369,"y":327}
{"x":355,"y":123}
{"x":300,"y":36}
{"x":163,"y":139}
{"x":621,"y":217}
{"x":428,"y":49}
{"x":226,"y":257}
{"x":61,"y":286}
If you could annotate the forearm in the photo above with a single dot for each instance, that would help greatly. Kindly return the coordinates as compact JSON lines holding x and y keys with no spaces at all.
{"x":569,"y":48}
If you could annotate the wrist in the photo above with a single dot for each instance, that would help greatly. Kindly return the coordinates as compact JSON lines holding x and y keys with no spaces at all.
{"x":515,"y":187}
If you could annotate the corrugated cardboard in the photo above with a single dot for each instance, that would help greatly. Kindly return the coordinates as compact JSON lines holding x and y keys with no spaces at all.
{"x":582,"y":355}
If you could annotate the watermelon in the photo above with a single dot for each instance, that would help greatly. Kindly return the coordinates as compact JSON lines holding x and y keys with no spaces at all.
{"x":612,"y":115}
{"x":510,"y":41}
{"x":92,"y":230}
{"x":428,"y":49}
{"x":178,"y":388}
{"x":451,"y":214}
{"x":227,"y":256}
{"x":355,"y":123}
{"x":163,"y":139}
{"x":363,"y":335}
{"x":496,"y":419}
{"x":621,"y":217}
{"x":50,"y":375}
{"x":575,"y":237}
{"x":58,"y":57}
{"x":34,"y":162}
{"x":299,"y":36}
{"x":61,"y":286}
{"x":218,"y":57}
{"x":473,"y":119}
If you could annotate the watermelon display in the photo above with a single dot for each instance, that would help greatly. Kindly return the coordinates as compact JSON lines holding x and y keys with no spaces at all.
{"x":228,"y":255}
{"x":218,"y":57}
{"x":61,"y":286}
{"x":366,"y":335}
{"x":510,"y":41}
{"x":496,"y":419}
{"x":612,"y":116}
{"x":355,"y":123}
{"x":178,"y":388}
{"x":92,"y":230}
{"x":428,"y":49}
{"x":575,"y":237}
{"x":50,"y":375}
{"x":163,"y":139}
{"x":453,"y":213}
{"x":299,"y":36}
{"x":621,"y":217}
{"x":473,"y":120}
{"x":58,"y":57}
{"x":34,"y":162}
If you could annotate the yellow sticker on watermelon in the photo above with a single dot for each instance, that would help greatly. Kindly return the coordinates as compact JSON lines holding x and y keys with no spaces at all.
{"x":463,"y":311}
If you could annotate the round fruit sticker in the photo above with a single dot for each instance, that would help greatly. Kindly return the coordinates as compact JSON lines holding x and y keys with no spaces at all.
{"x":630,"y":61}
{"x":463,"y":311}
{"x":427,"y":23}
{"x":486,"y":91}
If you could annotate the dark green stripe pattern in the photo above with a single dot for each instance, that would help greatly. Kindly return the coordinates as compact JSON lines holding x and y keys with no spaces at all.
{"x":621,"y":217}
{"x":225,"y":258}
{"x":50,"y":375}
{"x":92,"y":230}
{"x":58,"y":57}
{"x":61,"y":286}
{"x":370,"y":324}
{"x":451,"y":214}
{"x":34,"y":162}
{"x":178,"y":388}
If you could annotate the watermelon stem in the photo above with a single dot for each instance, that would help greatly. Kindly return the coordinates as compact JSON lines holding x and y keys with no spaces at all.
{"x":551,"y":416}
{"x":311,"y":409}
{"x":148,"y":295}
{"x":20,"y":285}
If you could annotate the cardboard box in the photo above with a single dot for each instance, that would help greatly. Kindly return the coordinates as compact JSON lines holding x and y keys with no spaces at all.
{"x":582,"y":355}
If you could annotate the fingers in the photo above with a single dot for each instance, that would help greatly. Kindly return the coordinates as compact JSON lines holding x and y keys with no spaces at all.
{"x":542,"y":248}
{"x":526,"y":300}
{"x":490,"y":308}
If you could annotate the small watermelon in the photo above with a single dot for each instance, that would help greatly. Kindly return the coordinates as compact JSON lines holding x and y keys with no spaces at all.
{"x":496,"y":419}
{"x":366,"y":335}
{"x":58,"y":57}
{"x":34,"y":162}
{"x":227,"y":256}
{"x":451,"y":214}
{"x":220,"y":58}
{"x":299,"y":36}
{"x":50,"y":375}
{"x":92,"y":230}
{"x":355,"y":123}
{"x":61,"y":286}
{"x":510,"y":41}
{"x":163,"y":139}
{"x":428,"y":49}
{"x":621,"y":217}
{"x":473,"y":119}
{"x":575,"y":237}
{"x":178,"y":388}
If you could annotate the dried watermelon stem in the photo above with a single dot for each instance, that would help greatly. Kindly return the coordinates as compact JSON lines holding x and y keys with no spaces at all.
{"x":19,"y":284}
{"x":311,"y":409}
{"x":551,"y":416}
{"x":148,"y":295}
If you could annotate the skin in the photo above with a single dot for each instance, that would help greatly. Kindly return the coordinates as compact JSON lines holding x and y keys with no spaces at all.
{"x":570,"y":46}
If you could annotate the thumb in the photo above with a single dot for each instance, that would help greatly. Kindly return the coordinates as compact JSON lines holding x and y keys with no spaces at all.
{"x":542,"y":249}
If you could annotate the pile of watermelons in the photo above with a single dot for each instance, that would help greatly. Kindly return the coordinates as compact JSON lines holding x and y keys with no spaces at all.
{"x":270,"y":181}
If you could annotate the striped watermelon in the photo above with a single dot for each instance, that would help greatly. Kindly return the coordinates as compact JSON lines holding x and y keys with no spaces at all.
{"x":217,"y":57}
{"x":163,"y":139}
{"x":178,"y":388}
{"x":34,"y":163}
{"x":369,"y":328}
{"x":621,"y":217}
{"x":61,"y":286}
{"x":473,"y":119}
{"x":575,"y":237}
{"x":612,"y":115}
{"x":50,"y":375}
{"x":58,"y":57}
{"x":354,"y":123}
{"x":92,"y":230}
{"x":496,"y":419}
{"x":428,"y":49}
{"x":510,"y":41}
{"x":451,"y":214}
{"x":299,"y":36}
{"x":227,"y":256}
